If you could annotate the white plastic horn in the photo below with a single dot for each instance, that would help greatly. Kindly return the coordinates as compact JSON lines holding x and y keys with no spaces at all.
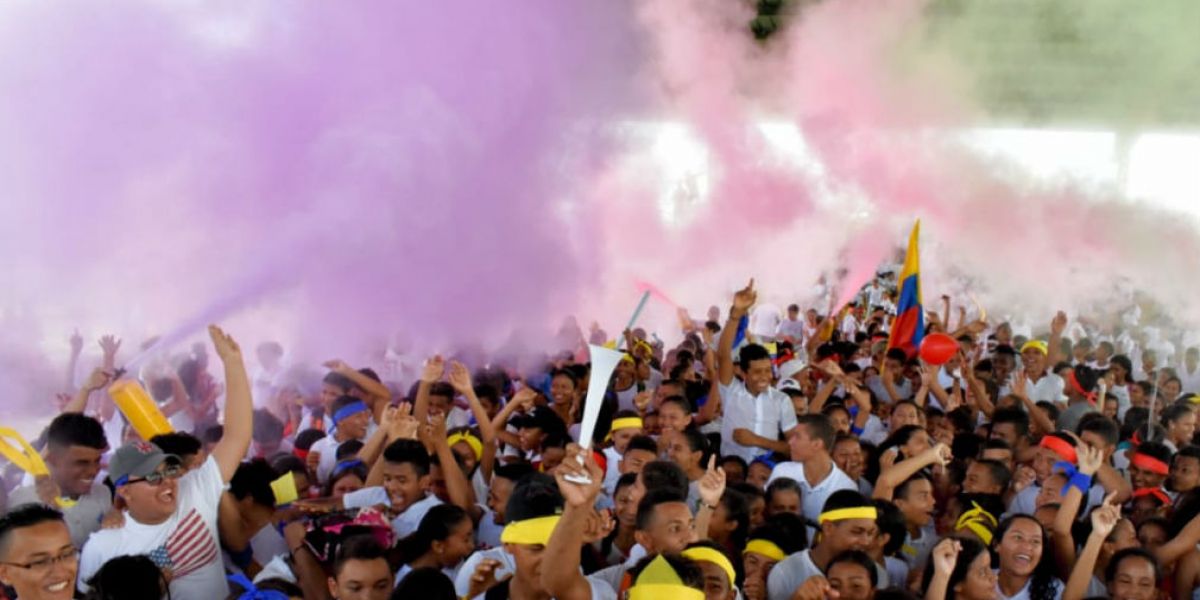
{"x":604,"y":363}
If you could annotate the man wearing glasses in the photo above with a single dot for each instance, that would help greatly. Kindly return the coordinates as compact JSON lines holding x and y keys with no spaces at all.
{"x":37,"y":558}
{"x":172,"y":517}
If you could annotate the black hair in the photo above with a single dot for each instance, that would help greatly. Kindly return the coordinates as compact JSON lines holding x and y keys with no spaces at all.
{"x":535,"y":495}
{"x":1189,"y":451}
{"x":267,"y":427}
{"x":845,"y":499}
{"x":995,"y":444}
{"x":1005,"y":349}
{"x":971,"y":548}
{"x":664,"y":475}
{"x":25,"y":516}
{"x":339,"y":381}
{"x":783,"y":484}
{"x":998,"y":471}
{"x":254,"y":479}
{"x":1187,"y":507}
{"x":856,"y":557}
{"x":897,"y":354}
{"x":1174,"y":412}
{"x":689,"y":572}
{"x":426,"y":582}
{"x":901,"y":491}
{"x":343,"y":470}
{"x":283,"y":464}
{"x":76,"y":429}
{"x":750,"y":353}
{"x":1120,"y":359}
{"x":178,"y":443}
{"x":1102,"y":426}
{"x":1017,"y":417}
{"x":1041,"y":583}
{"x":901,"y":437}
{"x":891,"y":521}
{"x":643,"y":442}
{"x":370,"y":373}
{"x":696,"y":442}
{"x":819,"y":427}
{"x":733,"y":458}
{"x":305,"y":439}
{"x":408,"y":451}
{"x":358,"y":547}
{"x":737,"y":508}
{"x":652,"y":499}
{"x":831,"y":408}
{"x":347,"y":449}
{"x":437,"y":525}
{"x":1051,"y":410}
{"x":130,"y":577}
{"x":213,"y":434}
{"x":1114,"y":563}
{"x":679,"y":401}
{"x":786,"y":530}
{"x":443,"y":389}
{"x":512,"y":471}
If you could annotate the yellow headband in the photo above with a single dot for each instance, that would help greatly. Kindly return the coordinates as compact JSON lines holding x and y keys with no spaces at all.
{"x":974,"y":520}
{"x":706,"y":554}
{"x":1038,"y":345}
{"x":765,"y":548}
{"x":27,"y":459}
{"x":659,"y":581}
{"x":530,"y":531}
{"x":843,"y":514}
{"x":471,"y":440}
{"x":627,"y":423}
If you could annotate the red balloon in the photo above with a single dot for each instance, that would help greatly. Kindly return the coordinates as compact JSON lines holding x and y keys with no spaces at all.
{"x":938,"y":348}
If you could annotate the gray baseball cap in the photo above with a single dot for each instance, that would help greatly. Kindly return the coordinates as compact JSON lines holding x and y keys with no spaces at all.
{"x":136,"y":460}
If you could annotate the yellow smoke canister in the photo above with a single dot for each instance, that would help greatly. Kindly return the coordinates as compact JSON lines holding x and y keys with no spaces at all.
{"x":139,"y":408}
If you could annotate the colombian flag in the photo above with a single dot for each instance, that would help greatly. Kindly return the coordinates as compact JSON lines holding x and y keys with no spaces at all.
{"x":909,"y":326}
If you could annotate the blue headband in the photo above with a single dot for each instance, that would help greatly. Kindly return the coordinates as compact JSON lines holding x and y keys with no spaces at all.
{"x":252,"y":593}
{"x":346,"y":465}
{"x":349,"y":410}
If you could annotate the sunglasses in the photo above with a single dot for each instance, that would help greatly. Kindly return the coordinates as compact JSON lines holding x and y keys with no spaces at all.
{"x":157,"y":477}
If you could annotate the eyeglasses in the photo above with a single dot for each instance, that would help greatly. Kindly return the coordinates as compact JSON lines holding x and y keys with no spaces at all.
{"x":45,"y":564}
{"x":157,"y":477}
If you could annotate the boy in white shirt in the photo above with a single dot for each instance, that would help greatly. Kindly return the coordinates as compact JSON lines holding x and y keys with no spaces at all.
{"x":172,"y":518}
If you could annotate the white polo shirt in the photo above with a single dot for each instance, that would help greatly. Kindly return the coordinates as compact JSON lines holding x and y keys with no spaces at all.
{"x":768,"y":414}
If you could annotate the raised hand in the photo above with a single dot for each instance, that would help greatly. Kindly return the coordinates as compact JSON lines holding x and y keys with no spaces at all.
{"x":97,"y":380}
{"x":575,"y":494}
{"x":1090,"y":459}
{"x":484,"y":578}
{"x":403,"y":425}
{"x":1059,"y":323}
{"x":712,"y":484}
{"x":1019,"y":383}
{"x":1105,"y":516}
{"x":437,"y":426}
{"x":1024,"y":477}
{"x":524,"y":398}
{"x":434,"y":368}
{"x":745,"y":298}
{"x":599,"y":525}
{"x":940,"y":454}
{"x":227,"y":347}
{"x":642,"y":400}
{"x":110,"y":344}
{"x":945,"y":555}
{"x":76,"y":342}
{"x":815,"y":588}
{"x":337,"y":365}
{"x":460,"y":377}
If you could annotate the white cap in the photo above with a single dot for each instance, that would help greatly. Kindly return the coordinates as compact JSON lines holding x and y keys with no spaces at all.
{"x":791,"y":367}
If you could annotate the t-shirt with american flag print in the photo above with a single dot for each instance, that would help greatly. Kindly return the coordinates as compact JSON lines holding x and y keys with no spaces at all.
{"x":184,"y":545}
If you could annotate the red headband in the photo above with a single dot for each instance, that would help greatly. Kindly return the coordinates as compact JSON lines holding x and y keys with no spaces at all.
{"x":1149,"y":463}
{"x":1060,"y":447}
{"x":1090,"y":396}
{"x":1157,"y":493}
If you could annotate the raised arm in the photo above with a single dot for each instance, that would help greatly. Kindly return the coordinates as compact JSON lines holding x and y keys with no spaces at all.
{"x":1104,"y":519}
{"x":1060,"y":533}
{"x":76,"y":342}
{"x":1057,"y":326}
{"x":1036,"y":415}
{"x":372,"y":387}
{"x":239,"y":410}
{"x":742,"y":301}
{"x":891,"y":478}
{"x":434,"y":368}
{"x":95,"y":382}
{"x":460,"y":379}
{"x":712,"y":487}
{"x":457,"y":486}
{"x":560,"y":560}
{"x":944,"y":557}
{"x":712,"y":407}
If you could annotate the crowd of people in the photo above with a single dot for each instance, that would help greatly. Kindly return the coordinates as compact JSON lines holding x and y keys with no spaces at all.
{"x":764,"y":455}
